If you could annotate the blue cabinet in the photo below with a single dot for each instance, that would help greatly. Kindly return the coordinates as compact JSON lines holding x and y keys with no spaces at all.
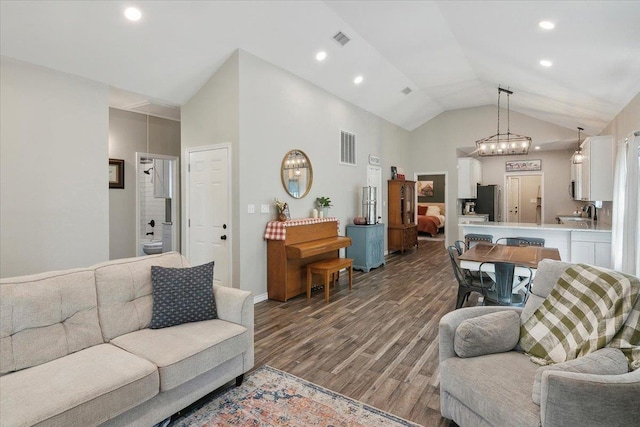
{"x":367,"y":246}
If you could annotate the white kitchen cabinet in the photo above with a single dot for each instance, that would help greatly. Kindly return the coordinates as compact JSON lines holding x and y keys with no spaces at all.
{"x":469,"y":176}
{"x":596,"y":177}
{"x":591,"y":248}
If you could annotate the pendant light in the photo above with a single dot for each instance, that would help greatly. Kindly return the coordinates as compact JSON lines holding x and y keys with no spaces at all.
{"x":576,"y":159}
{"x":504,"y":144}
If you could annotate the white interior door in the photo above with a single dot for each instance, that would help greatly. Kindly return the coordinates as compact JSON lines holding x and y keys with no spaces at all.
{"x":513,"y":199}
{"x":208,"y":210}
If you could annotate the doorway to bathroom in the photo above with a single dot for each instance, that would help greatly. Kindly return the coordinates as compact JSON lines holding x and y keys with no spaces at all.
{"x":157,"y":203}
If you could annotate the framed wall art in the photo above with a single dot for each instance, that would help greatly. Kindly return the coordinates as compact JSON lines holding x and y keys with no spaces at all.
{"x":116,"y":173}
{"x":523,"y":165}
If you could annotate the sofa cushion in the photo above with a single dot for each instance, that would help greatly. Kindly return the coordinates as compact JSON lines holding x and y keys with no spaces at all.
{"x":182,"y":295}
{"x":547,"y":275}
{"x":607,"y":361}
{"x":124,"y":292}
{"x":490,"y":333}
{"x":480,"y":382}
{"x":84,"y":388}
{"x":185,"y":351}
{"x":46,"y":316}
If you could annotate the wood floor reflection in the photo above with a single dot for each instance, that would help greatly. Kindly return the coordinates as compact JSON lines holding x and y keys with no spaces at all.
{"x":378,"y":343}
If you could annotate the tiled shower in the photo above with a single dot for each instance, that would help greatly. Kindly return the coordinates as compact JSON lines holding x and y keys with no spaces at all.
{"x":155,"y":212}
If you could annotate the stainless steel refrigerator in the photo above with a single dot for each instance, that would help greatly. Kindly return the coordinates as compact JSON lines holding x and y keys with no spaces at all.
{"x":489,"y":201}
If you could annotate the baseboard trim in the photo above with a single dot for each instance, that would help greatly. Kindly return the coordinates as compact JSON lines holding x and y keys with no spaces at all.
{"x":260,"y":298}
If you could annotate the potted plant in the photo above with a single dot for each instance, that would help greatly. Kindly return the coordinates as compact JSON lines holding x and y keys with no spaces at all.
{"x":282,"y":208}
{"x":324,"y":203}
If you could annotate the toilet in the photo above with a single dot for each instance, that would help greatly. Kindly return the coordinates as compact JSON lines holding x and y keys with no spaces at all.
{"x":151,"y":248}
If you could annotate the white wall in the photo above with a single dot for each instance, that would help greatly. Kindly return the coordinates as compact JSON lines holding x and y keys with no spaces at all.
{"x":433,"y":145}
{"x":128,"y":135}
{"x":54,"y":201}
{"x":627,"y":120}
{"x":280,"y":112}
{"x":264,"y":111}
{"x":211,"y":117}
{"x":557,"y":176}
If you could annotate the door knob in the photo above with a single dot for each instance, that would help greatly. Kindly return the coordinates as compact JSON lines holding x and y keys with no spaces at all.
{"x":223,"y":237}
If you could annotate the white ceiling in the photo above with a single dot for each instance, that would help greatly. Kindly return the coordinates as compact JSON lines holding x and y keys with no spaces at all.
{"x":452,"y":54}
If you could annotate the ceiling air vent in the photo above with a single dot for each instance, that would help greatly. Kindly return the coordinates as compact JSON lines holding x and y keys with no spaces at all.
{"x":341,"y":38}
{"x":407,"y":90}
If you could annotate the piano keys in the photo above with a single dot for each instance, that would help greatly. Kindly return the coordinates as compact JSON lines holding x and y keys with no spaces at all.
{"x":303,"y":244}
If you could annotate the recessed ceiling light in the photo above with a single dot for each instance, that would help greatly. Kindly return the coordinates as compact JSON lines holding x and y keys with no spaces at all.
{"x":547,"y":25}
{"x":537,"y":147}
{"x":133,"y":14}
{"x":320,"y":56}
{"x":358,"y":80}
{"x":546,"y":63}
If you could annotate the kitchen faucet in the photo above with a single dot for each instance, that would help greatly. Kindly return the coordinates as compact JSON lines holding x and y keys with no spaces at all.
{"x":587,"y":208}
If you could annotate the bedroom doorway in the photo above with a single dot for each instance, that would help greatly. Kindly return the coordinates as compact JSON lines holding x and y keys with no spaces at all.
{"x":431,"y":203}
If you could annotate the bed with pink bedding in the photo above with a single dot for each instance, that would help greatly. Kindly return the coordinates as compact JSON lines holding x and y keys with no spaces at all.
{"x":430,"y":219}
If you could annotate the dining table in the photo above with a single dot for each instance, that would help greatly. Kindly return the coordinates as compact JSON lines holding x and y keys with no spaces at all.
{"x":521,"y":256}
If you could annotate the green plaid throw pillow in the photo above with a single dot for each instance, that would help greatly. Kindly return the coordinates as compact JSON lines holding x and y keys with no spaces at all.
{"x":589,"y":308}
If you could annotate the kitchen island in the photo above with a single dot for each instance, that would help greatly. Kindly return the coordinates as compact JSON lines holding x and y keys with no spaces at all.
{"x":590,"y":244}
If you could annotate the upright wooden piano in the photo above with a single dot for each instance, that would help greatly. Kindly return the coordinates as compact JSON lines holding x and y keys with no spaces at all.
{"x":291,"y":245}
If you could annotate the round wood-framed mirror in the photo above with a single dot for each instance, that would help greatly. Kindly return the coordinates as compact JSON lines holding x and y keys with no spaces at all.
{"x":296,"y":173}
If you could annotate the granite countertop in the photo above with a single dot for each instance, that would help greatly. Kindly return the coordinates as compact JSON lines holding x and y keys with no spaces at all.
{"x":594,"y":226}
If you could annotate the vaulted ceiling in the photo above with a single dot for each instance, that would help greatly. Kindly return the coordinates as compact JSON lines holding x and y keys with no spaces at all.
{"x":451,"y":54}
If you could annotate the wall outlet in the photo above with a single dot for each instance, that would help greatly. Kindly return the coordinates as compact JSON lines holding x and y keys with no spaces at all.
{"x":251,"y":209}
{"x":264,"y":209}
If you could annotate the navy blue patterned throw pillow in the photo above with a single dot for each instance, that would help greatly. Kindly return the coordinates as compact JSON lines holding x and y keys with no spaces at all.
{"x":182,"y":295}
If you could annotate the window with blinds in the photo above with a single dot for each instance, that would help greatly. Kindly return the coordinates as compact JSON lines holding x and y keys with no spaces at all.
{"x":347,"y":148}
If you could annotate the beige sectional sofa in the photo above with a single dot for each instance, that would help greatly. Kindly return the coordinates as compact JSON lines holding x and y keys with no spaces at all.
{"x":75,"y":347}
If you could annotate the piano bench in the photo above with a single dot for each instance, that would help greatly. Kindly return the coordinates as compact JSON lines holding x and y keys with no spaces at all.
{"x":328,"y":268}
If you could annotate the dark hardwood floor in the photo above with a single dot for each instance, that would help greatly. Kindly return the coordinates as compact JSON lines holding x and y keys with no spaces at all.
{"x":378,"y":343}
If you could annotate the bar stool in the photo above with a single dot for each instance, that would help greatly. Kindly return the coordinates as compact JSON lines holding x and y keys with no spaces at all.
{"x":328,"y":268}
{"x":521,"y":241}
{"x":471,"y":237}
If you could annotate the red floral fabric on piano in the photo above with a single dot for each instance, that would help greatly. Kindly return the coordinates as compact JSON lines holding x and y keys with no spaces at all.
{"x":277,"y":230}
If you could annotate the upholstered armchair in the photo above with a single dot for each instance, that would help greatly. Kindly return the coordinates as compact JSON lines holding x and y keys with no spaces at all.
{"x":485,"y":381}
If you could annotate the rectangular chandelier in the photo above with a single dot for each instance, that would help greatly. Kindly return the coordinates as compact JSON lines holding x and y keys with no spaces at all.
{"x":503,"y":144}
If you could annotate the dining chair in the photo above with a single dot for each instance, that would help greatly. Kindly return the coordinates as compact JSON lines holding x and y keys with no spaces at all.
{"x":520,"y":241}
{"x":473,"y":239}
{"x":461,"y":246}
{"x":500,"y":292}
{"x":532,"y":241}
{"x":466,"y":282}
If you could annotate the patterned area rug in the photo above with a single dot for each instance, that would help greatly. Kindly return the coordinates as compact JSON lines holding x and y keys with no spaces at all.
{"x":269,"y":397}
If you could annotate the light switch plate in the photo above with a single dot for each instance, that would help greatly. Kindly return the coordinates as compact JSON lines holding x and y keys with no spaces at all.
{"x":251,"y":209}
{"x":264,"y":209}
